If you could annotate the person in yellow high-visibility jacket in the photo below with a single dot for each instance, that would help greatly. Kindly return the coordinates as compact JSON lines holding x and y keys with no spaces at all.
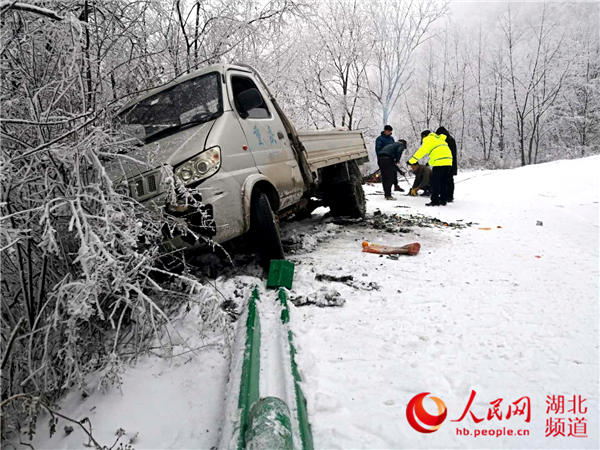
{"x":440,"y":160}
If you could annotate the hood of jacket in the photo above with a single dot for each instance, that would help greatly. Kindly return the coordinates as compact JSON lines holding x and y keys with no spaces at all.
{"x":435,"y":138}
{"x":442,"y":130}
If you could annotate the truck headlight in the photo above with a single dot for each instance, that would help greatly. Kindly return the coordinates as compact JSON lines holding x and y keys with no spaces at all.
{"x":200,"y":167}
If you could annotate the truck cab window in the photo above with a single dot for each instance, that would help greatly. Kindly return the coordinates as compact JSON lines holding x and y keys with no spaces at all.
{"x":248,"y":101}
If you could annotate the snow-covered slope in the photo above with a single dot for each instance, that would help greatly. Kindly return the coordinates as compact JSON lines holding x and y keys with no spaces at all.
{"x":507,"y":312}
{"x":174,"y":401}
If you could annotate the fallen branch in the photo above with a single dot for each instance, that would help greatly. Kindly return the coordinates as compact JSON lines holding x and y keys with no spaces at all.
{"x":19,"y":6}
{"x":55,"y":414}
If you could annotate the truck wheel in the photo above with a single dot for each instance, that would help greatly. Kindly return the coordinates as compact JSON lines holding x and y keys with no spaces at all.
{"x":265,"y":230}
{"x":347,"y":197}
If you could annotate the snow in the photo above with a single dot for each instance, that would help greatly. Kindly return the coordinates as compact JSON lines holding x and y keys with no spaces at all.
{"x":160,"y":404}
{"x":163,"y":402}
{"x":508,"y":312}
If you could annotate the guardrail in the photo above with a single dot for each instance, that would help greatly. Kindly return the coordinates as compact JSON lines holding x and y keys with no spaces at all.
{"x":249,"y":384}
{"x":266,"y":422}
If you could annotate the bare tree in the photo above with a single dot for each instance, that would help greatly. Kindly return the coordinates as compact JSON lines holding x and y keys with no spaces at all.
{"x":536,"y":84}
{"x":399,"y":28}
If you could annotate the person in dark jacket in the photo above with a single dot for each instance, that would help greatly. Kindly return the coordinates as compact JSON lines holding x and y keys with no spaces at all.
{"x":389,"y":156}
{"x":452,"y":144}
{"x":422,"y":180}
{"x":386,"y":151}
{"x":384,"y":139}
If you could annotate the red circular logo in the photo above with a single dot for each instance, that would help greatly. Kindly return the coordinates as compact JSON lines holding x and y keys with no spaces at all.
{"x":420,"y":419}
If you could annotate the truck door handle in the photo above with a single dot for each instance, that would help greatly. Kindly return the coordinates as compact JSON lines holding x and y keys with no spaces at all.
{"x":280,"y":135}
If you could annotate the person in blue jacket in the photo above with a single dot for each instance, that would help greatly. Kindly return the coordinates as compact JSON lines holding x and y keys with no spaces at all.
{"x":388,"y":154}
{"x":384,"y":139}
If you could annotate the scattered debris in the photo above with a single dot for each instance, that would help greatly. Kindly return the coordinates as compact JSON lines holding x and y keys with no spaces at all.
{"x":401,"y":223}
{"x":297,"y":238}
{"x":349,"y":281}
{"x":230,"y":307}
{"x":323,"y":297}
{"x":370,"y":286}
{"x":292,"y":243}
{"x":326,"y":277}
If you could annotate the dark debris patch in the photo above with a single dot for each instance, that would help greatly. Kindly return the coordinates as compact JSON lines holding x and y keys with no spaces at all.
{"x":402,"y":223}
{"x":324,"y":297}
{"x":349,"y":281}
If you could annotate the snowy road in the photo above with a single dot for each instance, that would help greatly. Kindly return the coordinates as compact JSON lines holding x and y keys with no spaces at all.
{"x":507,"y":312}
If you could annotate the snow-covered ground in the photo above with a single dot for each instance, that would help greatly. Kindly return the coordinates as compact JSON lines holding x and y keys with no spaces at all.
{"x":172,"y":401}
{"x":507,"y":312}
{"x":507,"y":307}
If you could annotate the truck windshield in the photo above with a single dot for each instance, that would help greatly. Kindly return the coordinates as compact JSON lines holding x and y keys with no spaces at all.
{"x":191,"y":102}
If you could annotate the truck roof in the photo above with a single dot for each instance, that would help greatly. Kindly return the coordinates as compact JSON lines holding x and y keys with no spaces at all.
{"x":222,"y":68}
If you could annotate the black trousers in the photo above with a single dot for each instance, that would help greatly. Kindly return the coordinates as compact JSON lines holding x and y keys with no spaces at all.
{"x":440,"y":176}
{"x":387,"y":170}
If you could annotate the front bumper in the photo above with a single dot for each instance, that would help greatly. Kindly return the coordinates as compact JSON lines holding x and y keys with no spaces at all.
{"x":218,"y":217}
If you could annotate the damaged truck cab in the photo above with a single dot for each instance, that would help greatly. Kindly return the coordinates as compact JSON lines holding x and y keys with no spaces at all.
{"x":222,"y":134}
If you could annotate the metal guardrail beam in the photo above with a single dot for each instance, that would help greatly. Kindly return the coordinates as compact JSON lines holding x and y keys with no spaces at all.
{"x":249,"y":384}
{"x":266,"y":422}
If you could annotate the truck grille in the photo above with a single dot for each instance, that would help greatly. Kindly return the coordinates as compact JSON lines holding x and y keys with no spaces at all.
{"x":151,"y":182}
{"x":144,"y":186}
{"x":139,"y":188}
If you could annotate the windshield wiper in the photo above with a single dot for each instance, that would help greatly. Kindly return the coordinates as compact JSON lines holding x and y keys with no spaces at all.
{"x":196,"y":119}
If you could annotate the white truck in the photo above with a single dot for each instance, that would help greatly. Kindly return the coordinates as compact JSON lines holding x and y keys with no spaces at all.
{"x":225,"y":137}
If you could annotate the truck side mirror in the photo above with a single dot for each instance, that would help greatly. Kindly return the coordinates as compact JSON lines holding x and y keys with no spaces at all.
{"x":249,"y":99}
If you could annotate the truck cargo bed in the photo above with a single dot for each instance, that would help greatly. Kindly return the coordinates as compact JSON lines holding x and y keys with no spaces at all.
{"x":329,"y":147}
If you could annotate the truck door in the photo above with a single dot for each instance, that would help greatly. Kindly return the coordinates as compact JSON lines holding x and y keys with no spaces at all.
{"x":266,"y":137}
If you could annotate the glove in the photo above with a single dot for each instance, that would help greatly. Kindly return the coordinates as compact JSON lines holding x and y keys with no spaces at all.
{"x":413,"y":192}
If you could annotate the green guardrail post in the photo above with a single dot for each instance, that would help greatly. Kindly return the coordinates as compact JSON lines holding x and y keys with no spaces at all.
{"x":281,"y":273}
{"x":249,"y":384}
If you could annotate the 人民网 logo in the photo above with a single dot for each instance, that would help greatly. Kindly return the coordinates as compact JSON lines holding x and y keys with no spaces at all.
{"x":420,"y":419}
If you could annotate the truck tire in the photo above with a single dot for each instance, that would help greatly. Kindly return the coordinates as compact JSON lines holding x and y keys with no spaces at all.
{"x":347,"y":197}
{"x":264,"y":230}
